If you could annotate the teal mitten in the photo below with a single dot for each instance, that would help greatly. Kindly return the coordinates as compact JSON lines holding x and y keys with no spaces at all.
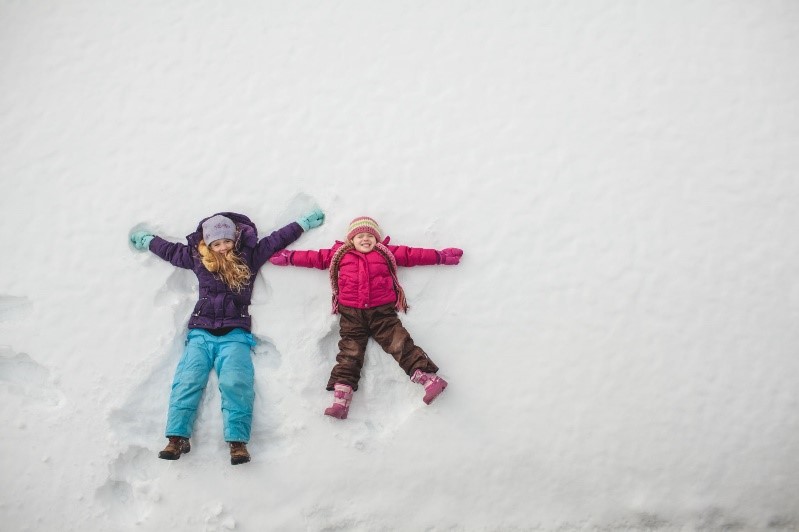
{"x":311,"y":220}
{"x":141,"y":240}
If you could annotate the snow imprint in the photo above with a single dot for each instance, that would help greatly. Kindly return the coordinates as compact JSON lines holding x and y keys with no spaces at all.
{"x":12,"y":308}
{"x":131,"y":490}
{"x":26,"y":380}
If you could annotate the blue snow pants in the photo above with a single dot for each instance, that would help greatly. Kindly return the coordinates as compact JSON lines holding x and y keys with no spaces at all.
{"x":230,"y":357}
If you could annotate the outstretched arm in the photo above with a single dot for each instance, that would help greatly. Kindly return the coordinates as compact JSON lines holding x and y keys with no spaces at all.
{"x":408,"y":256}
{"x":278,"y":240}
{"x":177,"y":254}
{"x":271,"y":244}
{"x":306,"y":258}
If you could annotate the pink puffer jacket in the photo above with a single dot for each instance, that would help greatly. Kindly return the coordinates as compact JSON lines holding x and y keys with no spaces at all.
{"x":364,"y":279}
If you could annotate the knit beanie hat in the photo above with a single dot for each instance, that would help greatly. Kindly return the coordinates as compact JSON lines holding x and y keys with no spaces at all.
{"x":363,"y":224}
{"x":218,"y":227}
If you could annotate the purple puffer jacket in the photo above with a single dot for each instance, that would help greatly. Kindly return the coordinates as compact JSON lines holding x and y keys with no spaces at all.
{"x":218,"y":305}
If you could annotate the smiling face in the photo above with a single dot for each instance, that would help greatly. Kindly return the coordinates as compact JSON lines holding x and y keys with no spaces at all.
{"x":221,"y":246}
{"x":364,"y":242}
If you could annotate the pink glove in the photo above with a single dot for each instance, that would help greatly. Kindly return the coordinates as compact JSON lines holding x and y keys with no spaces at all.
{"x":281,"y":258}
{"x":450,"y":256}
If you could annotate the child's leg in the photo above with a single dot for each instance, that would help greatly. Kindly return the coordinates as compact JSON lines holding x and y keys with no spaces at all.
{"x":393,"y":337}
{"x":190,"y":379}
{"x":236,"y":375}
{"x":352,"y":347}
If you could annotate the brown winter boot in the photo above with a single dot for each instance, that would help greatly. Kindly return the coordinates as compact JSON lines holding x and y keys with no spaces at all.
{"x":238,"y":453}
{"x":176,"y":446}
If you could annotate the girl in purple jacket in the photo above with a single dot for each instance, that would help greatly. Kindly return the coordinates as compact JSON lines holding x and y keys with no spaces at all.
{"x":367,"y":295}
{"x":225,"y":254}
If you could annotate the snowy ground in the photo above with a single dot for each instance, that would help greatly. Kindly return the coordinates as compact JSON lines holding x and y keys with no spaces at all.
{"x":620,"y":337}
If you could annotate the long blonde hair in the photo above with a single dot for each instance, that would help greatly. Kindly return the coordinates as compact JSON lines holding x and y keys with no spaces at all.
{"x":229,"y":266}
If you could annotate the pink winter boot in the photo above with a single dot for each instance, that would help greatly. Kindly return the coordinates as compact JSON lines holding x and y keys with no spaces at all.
{"x":342,"y":394}
{"x":433,"y":384}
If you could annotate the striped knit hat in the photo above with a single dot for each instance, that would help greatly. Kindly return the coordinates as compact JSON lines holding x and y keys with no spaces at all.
{"x":363,"y":224}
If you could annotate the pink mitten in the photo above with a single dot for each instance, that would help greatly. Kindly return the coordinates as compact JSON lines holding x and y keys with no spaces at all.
{"x":281,"y":258}
{"x":450,"y":256}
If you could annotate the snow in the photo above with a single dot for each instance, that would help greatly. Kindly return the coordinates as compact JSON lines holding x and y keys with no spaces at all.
{"x":620,"y":337}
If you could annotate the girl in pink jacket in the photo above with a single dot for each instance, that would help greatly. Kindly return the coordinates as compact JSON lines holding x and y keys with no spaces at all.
{"x":367,"y":295}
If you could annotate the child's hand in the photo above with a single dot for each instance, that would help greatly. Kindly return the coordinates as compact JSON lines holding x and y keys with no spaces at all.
{"x":312,"y":219}
{"x":450,"y":256}
{"x":281,"y":258}
{"x":141,"y":240}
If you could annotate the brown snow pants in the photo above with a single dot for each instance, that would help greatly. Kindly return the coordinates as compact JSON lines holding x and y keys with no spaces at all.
{"x":382,"y":324}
